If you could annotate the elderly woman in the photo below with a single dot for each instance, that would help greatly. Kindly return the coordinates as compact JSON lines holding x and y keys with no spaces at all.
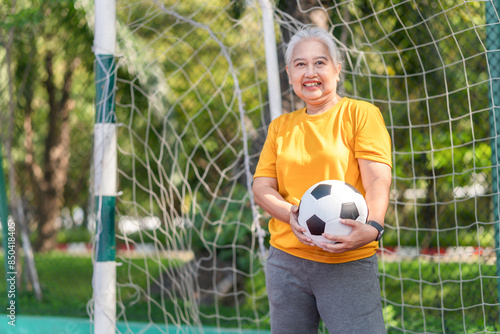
{"x":333,"y":137}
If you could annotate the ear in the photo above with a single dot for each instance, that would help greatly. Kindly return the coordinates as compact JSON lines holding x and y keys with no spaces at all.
{"x":339,"y":68}
{"x":288,"y":74}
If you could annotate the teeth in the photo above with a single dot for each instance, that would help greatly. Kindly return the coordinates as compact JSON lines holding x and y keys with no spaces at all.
{"x":312,"y":84}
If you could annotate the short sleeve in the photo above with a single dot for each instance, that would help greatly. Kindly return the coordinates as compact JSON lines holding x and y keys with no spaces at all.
{"x":266,"y":166}
{"x":372,"y":141}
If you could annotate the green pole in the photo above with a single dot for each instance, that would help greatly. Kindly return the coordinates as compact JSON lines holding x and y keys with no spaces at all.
{"x":9,"y":247}
{"x":105,"y":155}
{"x":105,"y":166}
{"x":493,"y":45}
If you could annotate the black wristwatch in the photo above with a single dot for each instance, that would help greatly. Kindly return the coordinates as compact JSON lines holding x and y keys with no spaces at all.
{"x":378,"y":227}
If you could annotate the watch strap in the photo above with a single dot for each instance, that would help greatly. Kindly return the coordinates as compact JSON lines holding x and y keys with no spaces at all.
{"x":379,"y":227}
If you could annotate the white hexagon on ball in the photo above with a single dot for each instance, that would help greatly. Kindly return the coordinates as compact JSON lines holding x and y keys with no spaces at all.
{"x":325,"y":203}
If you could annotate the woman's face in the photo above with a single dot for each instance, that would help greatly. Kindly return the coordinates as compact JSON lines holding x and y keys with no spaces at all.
{"x":313,"y":75}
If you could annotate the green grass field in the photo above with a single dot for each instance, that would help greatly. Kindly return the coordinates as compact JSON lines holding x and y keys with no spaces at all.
{"x":419,"y":296}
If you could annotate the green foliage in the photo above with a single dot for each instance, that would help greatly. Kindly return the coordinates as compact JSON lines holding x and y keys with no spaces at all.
{"x":223,"y":223}
{"x":49,"y":34}
{"x":145,"y":237}
{"x":24,"y":18}
{"x":77,"y":234}
{"x":434,"y":297}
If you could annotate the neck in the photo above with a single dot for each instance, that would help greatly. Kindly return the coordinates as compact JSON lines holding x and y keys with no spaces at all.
{"x":316,"y":109}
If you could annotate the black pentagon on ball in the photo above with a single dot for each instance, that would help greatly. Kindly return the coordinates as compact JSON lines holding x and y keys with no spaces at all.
{"x":316,"y":225}
{"x":322,"y":190}
{"x":349,"y":211}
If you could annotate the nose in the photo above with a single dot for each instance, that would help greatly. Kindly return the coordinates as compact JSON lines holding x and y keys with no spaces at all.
{"x":310,"y":71}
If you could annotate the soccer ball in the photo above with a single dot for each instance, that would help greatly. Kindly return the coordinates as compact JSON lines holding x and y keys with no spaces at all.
{"x":325,"y":203}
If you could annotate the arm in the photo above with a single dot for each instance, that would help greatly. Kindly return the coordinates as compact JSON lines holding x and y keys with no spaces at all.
{"x":266,"y":195}
{"x":376,"y":178}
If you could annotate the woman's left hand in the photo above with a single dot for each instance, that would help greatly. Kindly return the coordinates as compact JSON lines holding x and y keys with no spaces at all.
{"x":360,"y":235}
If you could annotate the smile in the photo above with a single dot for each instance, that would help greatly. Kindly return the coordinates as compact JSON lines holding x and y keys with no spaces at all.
{"x":312,"y":84}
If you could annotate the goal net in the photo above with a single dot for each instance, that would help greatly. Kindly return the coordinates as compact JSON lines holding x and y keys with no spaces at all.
{"x":192,"y":112}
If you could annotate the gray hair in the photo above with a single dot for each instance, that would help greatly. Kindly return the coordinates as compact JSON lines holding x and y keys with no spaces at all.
{"x":323,"y":36}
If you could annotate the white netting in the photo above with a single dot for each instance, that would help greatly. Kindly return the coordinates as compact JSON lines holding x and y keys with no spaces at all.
{"x":192,"y":111}
{"x":190,"y":91}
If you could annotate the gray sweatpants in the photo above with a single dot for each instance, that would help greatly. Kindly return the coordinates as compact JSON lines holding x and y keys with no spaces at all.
{"x":345,"y":296}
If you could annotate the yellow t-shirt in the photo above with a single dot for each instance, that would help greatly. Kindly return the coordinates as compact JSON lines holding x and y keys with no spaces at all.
{"x":302,"y":149}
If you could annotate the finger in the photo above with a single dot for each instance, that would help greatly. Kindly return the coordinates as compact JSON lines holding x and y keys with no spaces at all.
{"x":308,"y":242}
{"x":335,"y":237}
{"x":298,"y":228}
{"x":349,"y":222}
{"x":295,"y":225}
{"x":332,"y":248}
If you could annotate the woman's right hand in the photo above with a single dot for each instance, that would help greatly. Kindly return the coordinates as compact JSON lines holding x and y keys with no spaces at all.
{"x":297,"y":229}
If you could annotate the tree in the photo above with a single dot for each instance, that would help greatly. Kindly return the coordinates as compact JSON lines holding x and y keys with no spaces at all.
{"x":51,"y":48}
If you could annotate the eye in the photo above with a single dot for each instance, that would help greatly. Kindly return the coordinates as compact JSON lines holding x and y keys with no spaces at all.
{"x":299,"y":64}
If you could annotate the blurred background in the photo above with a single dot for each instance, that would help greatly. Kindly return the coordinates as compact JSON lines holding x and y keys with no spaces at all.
{"x":192,"y":107}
